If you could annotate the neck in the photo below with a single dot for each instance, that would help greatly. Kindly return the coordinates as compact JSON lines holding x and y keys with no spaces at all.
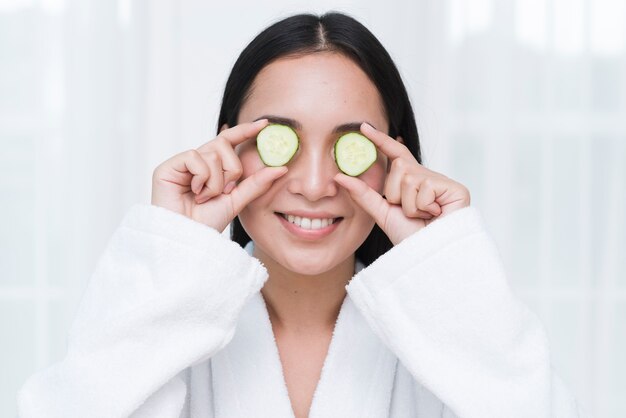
{"x":304,"y":303}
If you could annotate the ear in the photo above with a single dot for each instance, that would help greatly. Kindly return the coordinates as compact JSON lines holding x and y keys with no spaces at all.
{"x":224,"y":126}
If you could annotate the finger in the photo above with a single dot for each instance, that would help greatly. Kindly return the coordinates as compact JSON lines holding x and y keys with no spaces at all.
{"x":254,"y":186}
{"x":409,"y":194}
{"x":389,"y":146}
{"x":231,"y":164}
{"x":191,"y":162}
{"x":426,"y":198}
{"x":409,"y":200}
{"x":393,"y":183}
{"x":215,"y":183}
{"x":242,"y":132}
{"x":366,"y":197}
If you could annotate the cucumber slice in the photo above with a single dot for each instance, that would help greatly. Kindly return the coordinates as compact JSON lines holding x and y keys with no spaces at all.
{"x":277,"y":144}
{"x":354,"y":153}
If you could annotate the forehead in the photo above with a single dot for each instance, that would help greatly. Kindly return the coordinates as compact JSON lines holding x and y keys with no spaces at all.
{"x":321,"y":88}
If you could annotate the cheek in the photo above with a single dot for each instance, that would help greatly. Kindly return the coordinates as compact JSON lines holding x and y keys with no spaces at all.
{"x":375,"y":176}
{"x":250,"y":160}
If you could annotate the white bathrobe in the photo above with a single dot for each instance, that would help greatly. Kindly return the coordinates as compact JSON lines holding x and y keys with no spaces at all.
{"x":173,"y":325}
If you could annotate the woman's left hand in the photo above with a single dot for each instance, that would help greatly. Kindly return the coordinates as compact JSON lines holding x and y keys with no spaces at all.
{"x":414,"y":195}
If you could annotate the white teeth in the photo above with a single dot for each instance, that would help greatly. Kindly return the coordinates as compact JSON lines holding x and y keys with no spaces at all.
{"x":308,"y":223}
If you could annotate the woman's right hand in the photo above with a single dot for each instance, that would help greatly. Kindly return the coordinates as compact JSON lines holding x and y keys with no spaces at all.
{"x":202,"y":183}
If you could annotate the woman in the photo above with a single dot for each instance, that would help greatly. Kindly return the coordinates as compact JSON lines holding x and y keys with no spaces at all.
{"x":344,"y":303}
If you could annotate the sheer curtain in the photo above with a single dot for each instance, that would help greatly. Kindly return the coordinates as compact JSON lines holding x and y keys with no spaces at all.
{"x":523,"y":101}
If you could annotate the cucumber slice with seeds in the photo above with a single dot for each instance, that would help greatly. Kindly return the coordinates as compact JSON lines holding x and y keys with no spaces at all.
{"x":277,"y":144}
{"x":354,"y":153}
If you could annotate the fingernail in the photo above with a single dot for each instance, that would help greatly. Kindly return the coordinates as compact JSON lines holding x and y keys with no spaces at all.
{"x":368,"y":126}
{"x":260,"y":121}
{"x":338,"y":178}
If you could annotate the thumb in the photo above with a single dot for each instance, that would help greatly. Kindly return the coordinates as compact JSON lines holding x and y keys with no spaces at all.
{"x":254,"y":186}
{"x":366,"y":197}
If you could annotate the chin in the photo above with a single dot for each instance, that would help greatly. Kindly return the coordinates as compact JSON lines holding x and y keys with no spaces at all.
{"x":307,"y":261}
{"x":309,"y":267}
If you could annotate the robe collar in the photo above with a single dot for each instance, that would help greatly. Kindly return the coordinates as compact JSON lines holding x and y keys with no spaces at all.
{"x":356,"y":380}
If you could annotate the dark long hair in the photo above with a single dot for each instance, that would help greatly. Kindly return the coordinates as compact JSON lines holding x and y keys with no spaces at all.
{"x":304,"y":34}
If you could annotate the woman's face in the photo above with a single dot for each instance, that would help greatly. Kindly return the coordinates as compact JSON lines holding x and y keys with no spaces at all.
{"x":319,"y":92}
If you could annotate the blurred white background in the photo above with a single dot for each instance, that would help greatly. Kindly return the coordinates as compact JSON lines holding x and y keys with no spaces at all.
{"x":523,"y":101}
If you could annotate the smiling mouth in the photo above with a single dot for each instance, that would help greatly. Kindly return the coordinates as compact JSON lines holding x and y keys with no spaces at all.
{"x":310,"y":223}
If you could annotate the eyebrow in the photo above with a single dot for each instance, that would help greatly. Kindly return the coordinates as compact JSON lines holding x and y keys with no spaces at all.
{"x":294,"y":124}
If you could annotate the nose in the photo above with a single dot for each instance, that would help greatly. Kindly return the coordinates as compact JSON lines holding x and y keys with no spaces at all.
{"x":311,"y":174}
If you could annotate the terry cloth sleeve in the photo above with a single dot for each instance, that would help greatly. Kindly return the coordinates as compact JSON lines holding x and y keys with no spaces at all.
{"x":441,"y":302}
{"x":165,"y":295}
